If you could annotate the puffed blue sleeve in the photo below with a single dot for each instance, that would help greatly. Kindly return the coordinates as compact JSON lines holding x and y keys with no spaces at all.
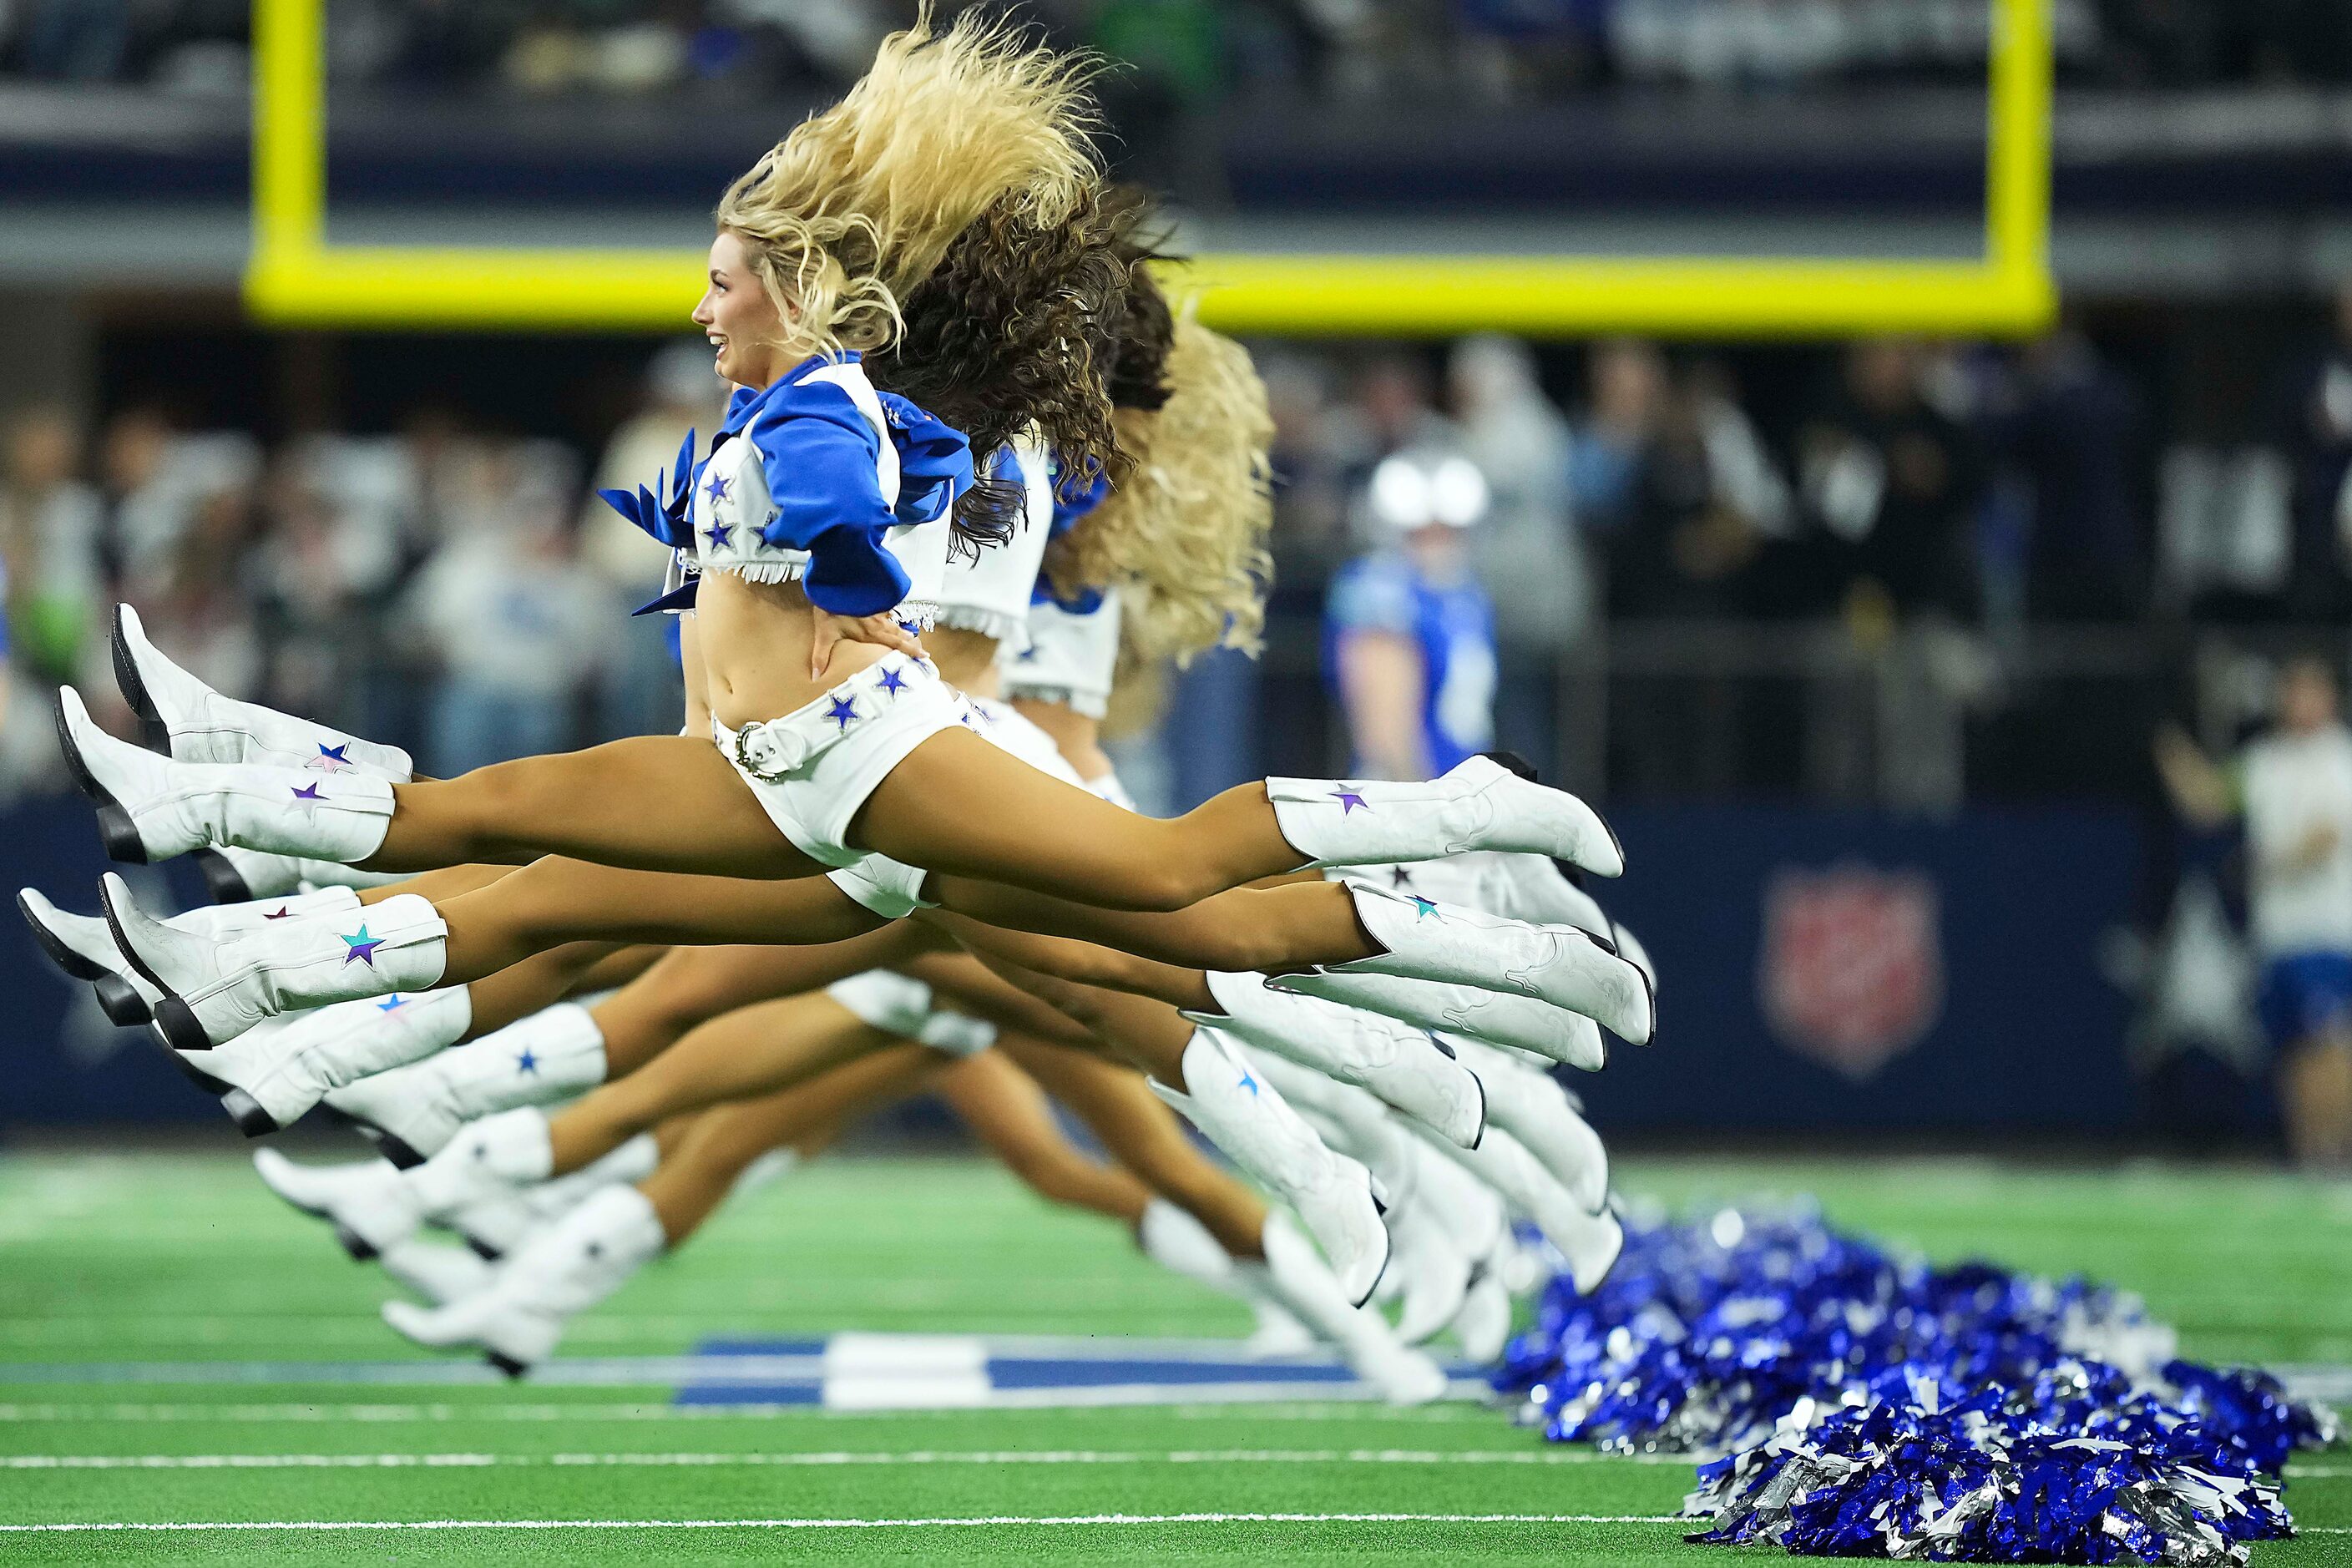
{"x":821,"y":478}
{"x":934,"y":461}
{"x":1072,"y":501}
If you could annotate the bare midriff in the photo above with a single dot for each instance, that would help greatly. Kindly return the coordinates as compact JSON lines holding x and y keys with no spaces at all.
{"x":755,"y":640}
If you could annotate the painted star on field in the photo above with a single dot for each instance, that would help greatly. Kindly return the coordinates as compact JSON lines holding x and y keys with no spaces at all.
{"x":527,"y":1063}
{"x":362,"y":948}
{"x":842,"y":712}
{"x":332,"y":759}
{"x":1349,"y":800}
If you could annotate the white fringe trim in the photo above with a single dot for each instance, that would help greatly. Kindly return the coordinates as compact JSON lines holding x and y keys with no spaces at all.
{"x":1086,"y":704}
{"x":1011,"y":632}
{"x":761,"y":571}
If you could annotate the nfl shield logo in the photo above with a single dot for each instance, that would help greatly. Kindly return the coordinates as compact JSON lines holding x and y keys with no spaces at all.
{"x":1851,"y":972}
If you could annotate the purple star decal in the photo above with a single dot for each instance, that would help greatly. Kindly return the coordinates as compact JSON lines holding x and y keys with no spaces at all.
{"x":332,"y":759}
{"x":715,"y":491}
{"x":842,"y":711}
{"x":894,"y":680}
{"x":719,"y":534}
{"x":392,"y":1003}
{"x":362,"y":948}
{"x":278,"y":914}
{"x":1400,"y":877}
{"x":1349,"y":800}
{"x":312,"y":794}
{"x":1423,"y":908}
{"x":527,"y":1063}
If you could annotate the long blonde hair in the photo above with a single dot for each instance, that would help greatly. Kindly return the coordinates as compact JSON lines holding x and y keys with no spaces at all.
{"x":1182,"y":537}
{"x":848,"y":213}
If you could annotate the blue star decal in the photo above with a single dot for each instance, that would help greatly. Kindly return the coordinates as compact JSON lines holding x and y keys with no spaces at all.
{"x":527,"y":1063}
{"x":715,"y":491}
{"x":332,"y":759}
{"x":842,"y":711}
{"x":392,"y":1003}
{"x":894,"y":680}
{"x":719,"y":534}
{"x":311,"y":797}
{"x":1248,"y":1082}
{"x":362,"y":948}
{"x":1349,"y":800}
{"x":1423,"y":908}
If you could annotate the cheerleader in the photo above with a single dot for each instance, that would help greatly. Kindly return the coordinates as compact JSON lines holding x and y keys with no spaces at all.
{"x":835,"y":737}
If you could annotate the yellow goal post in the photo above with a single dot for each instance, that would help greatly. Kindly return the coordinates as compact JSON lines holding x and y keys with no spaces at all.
{"x":296,"y":277}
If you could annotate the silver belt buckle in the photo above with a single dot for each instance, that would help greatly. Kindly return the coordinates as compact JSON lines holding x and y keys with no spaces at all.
{"x":743,"y":759}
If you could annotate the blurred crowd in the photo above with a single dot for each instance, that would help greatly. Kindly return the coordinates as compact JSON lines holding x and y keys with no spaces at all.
{"x":1194,"y":54}
{"x":465,"y":594}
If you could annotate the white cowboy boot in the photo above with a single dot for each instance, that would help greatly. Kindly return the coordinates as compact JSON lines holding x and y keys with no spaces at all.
{"x":1522,"y":1021}
{"x":414,"y":1111}
{"x":1249,"y":1119}
{"x":1482,"y":1327}
{"x":439,"y":1274}
{"x":283,"y":1066}
{"x":561,"y":1272}
{"x":1430,"y":1265}
{"x":1402,"y":1066}
{"x":151,"y":808}
{"x":214,"y":991}
{"x":1534,"y":1110}
{"x":498,"y":1157}
{"x":1304,"y":1283}
{"x":84,"y":948}
{"x":234,"y":876}
{"x":1481,"y":804}
{"x":220,"y":921}
{"x":1425,"y":940}
{"x":365,"y":1200}
{"x":184,"y":718}
{"x":1590,"y":1242}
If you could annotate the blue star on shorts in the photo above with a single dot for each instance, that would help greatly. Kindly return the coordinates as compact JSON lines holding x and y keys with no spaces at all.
{"x":842,"y":711}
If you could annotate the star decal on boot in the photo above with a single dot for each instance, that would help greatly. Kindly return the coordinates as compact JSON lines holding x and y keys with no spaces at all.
{"x":1349,"y":800}
{"x":1400,"y":877}
{"x":278,"y":914}
{"x":715,"y":491}
{"x":527,"y":1062}
{"x":1423,"y":908}
{"x":1249,"y":1081}
{"x":843,"y":712}
{"x":332,"y":759}
{"x":894,"y":680}
{"x":362,"y":948}
{"x":311,"y":798}
{"x":392,"y":1004}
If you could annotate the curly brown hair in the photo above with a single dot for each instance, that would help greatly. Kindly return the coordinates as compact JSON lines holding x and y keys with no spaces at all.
{"x":1009,"y":331}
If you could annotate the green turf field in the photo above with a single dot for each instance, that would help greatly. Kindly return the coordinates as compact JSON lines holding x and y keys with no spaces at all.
{"x":184,"y":1259}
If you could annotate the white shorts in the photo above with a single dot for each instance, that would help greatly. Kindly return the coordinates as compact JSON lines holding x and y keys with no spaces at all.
{"x":812,"y":769}
{"x":1007,"y":728}
{"x":892,"y":889}
{"x":901,"y":1006}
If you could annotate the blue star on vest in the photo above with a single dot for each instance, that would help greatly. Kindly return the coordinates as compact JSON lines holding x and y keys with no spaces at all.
{"x":1349,"y":800}
{"x":719,"y":534}
{"x":715,"y":491}
{"x":362,"y":948}
{"x":842,"y":711}
{"x":527,"y":1063}
{"x":894,"y":680}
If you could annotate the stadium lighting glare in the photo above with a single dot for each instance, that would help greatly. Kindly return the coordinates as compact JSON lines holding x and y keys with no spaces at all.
{"x":296,"y":277}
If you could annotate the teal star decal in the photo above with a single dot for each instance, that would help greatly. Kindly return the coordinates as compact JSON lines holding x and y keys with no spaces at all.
{"x":1423,"y":908}
{"x":362,"y":948}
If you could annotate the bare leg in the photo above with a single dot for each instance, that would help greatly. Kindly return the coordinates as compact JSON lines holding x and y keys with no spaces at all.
{"x":753,"y":1050}
{"x":970,"y":986}
{"x":540,"y":981}
{"x":691,"y":985}
{"x":1079,"y":963}
{"x":694,"y":1177}
{"x":1145,"y":1137}
{"x":657,"y":803}
{"x":558,"y":899}
{"x":2316,"y":1098}
{"x":1009,"y":1113}
{"x":446,"y":883}
{"x":1038,"y":832}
